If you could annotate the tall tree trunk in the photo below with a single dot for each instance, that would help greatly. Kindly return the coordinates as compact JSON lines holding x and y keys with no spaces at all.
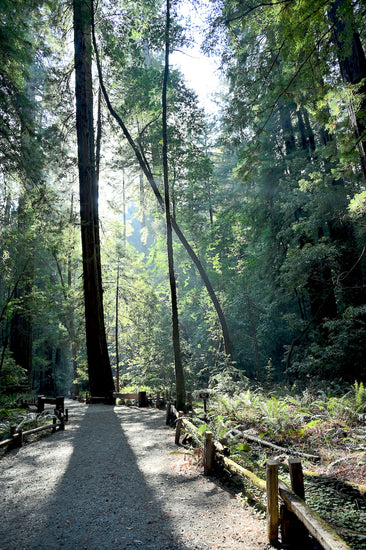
{"x":21,"y":337}
{"x":99,"y":369}
{"x":319,"y":286}
{"x":116,"y":328}
{"x":71,"y":324}
{"x":179,"y":373}
{"x":352,"y":62}
{"x":21,"y":333}
{"x":286,"y":126}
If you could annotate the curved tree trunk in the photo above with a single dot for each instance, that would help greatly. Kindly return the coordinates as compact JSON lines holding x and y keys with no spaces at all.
{"x":150,"y":178}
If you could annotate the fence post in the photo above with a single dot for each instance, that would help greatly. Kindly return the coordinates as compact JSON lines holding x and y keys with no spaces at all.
{"x":40,"y":404}
{"x":272,"y":501}
{"x":20,"y":437}
{"x":293,"y":531}
{"x":209,"y":452}
{"x":168,"y":413}
{"x":189,"y":399}
{"x":142,"y":399}
{"x":297,"y":477}
{"x":60,"y":403}
{"x":179,"y":427}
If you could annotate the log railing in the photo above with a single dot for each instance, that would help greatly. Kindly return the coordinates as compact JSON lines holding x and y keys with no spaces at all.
{"x":57,"y":401}
{"x":286,"y":507}
{"x":142,"y":399}
{"x":17,"y":436}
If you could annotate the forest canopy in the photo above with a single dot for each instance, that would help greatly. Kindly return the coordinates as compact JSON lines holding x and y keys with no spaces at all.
{"x":146,"y":241}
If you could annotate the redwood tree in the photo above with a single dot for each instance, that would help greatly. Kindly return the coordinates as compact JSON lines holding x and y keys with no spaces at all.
{"x":99,"y":369}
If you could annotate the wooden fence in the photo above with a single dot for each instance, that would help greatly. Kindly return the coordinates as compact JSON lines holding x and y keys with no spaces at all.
{"x":59,"y":403}
{"x":286,"y":507}
{"x":142,"y":399}
{"x":17,"y":436}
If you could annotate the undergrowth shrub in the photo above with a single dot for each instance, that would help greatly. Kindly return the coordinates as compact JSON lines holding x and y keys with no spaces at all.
{"x":286,"y":415}
{"x":12,"y":376}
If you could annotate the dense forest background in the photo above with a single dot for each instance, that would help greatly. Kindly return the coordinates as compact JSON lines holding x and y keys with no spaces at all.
{"x":269,"y":191}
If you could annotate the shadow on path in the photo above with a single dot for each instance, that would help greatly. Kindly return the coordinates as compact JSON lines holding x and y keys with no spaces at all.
{"x":84,"y":490}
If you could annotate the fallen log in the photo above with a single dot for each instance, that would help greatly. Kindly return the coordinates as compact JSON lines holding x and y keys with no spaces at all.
{"x":360,"y":487}
{"x":285,"y":450}
{"x":346,"y":532}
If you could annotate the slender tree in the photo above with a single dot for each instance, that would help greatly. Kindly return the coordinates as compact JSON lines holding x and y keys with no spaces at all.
{"x":179,"y":374}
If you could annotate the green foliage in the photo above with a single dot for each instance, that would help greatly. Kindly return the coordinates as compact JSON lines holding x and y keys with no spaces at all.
{"x":335,"y":509}
{"x":275,"y":414}
{"x":287,"y":414}
{"x":21,"y":419}
{"x":230,"y":381}
{"x":12,"y":376}
{"x":359,"y":396}
{"x":342,"y":353}
{"x":270,"y":194}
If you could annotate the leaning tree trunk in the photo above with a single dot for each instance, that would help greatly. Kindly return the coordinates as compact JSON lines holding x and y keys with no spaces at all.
{"x":179,"y":373}
{"x":99,"y":369}
{"x":150,"y":178}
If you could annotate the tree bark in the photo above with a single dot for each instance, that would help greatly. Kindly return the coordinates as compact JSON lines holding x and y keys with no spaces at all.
{"x":21,"y":333}
{"x":179,"y":373}
{"x":116,"y":328}
{"x":99,"y":369}
{"x":352,"y":62}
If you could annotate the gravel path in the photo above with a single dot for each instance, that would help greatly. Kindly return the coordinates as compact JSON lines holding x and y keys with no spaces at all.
{"x":115,"y":480}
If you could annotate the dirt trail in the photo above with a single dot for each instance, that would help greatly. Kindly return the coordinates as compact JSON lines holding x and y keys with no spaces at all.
{"x":114,"y":480}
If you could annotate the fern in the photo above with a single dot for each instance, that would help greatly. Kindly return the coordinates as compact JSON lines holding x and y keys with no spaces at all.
{"x":359,"y":395}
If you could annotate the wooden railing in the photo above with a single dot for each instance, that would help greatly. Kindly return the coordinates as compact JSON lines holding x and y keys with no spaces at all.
{"x":142,"y":398}
{"x":286,"y":507}
{"x":59,"y":403}
{"x":17,"y":436}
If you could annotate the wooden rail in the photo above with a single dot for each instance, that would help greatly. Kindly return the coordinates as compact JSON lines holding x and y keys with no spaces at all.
{"x":17,"y":437}
{"x":57,"y":401}
{"x":142,"y":398}
{"x":316,"y":526}
{"x":294,"y":516}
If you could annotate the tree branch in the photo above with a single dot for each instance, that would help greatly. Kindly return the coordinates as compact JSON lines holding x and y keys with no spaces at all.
{"x":149,"y":176}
